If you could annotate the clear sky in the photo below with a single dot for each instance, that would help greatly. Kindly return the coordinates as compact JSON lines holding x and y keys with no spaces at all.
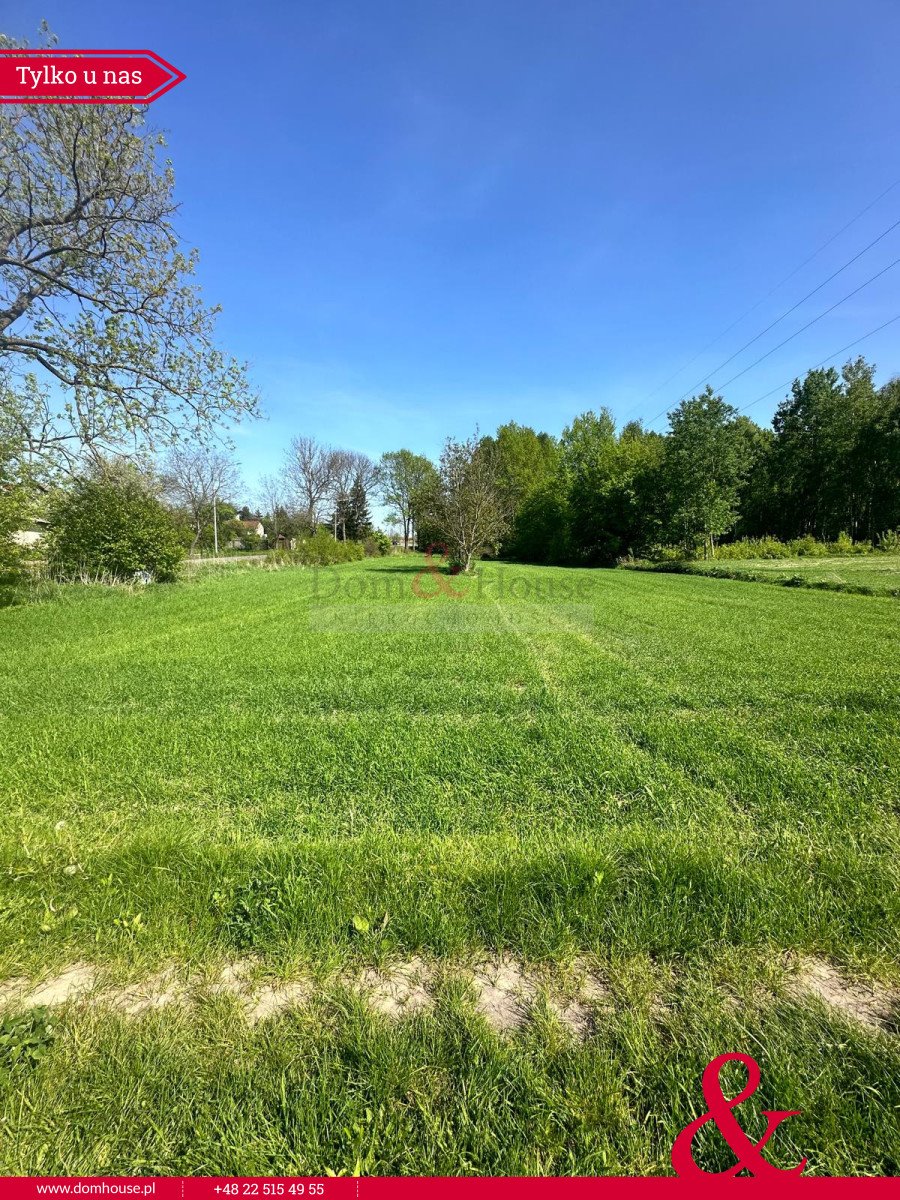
{"x":423,"y":216}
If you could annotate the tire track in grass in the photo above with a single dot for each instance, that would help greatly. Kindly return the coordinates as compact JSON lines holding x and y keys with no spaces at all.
{"x":765,"y":747}
{"x":696,"y":791}
{"x":564,"y":714}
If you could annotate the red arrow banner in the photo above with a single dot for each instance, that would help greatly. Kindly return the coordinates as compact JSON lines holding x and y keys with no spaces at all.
{"x":84,"y":76}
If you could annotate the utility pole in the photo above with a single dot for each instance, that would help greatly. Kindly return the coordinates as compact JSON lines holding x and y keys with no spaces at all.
{"x":215,"y":527}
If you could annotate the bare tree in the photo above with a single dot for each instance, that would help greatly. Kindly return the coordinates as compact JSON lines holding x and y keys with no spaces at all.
{"x":365,"y":471}
{"x":469,"y":507}
{"x":96,"y":290}
{"x":198,"y":477}
{"x":309,"y":475}
{"x":343,"y":467}
{"x":271,"y":493}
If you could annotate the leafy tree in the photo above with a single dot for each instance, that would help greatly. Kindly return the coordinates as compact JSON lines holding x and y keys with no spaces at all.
{"x":834,"y":462}
{"x":611,"y":486}
{"x":425,"y":501}
{"x":758,"y":513}
{"x":831,"y":454}
{"x":96,"y":290}
{"x":525,"y":461}
{"x":220,"y":527}
{"x":705,"y":464}
{"x":470,"y":514}
{"x":588,"y":451}
{"x":112,"y":523}
{"x":543,"y":525}
{"x":886,"y":502}
{"x":290,"y":524}
{"x":404,"y":478}
{"x":861,"y":450}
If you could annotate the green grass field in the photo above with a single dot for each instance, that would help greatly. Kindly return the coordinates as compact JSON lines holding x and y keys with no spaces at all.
{"x":678,"y":790}
{"x":877,"y":574}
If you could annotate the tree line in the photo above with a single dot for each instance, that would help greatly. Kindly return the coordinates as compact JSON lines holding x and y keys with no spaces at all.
{"x":829,"y":465}
{"x":827,"y":468}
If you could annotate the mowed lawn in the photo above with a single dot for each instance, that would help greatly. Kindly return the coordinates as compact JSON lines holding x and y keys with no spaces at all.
{"x":684,"y":788}
{"x":875,"y":573}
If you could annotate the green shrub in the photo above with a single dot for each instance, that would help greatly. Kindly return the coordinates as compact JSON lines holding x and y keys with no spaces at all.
{"x":320,"y":549}
{"x":807,"y":547}
{"x":844,"y":544}
{"x":377,"y":543}
{"x":889,"y":541}
{"x":14,"y":515}
{"x":763,"y":547}
{"x":113,"y":527}
{"x":774,"y":548}
{"x":668,"y":554}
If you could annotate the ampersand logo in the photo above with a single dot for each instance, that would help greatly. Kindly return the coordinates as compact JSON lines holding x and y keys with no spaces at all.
{"x":747,"y":1152}
{"x":431,"y":568}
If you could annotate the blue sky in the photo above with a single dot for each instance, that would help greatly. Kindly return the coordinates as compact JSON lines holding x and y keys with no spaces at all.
{"x":423,"y":216}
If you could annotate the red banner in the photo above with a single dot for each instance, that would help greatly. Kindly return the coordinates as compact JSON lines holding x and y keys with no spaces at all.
{"x":454,"y":1188}
{"x":84,"y":76}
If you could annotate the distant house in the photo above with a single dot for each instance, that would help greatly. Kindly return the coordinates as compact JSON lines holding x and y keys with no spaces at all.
{"x":32,"y":533}
{"x":281,"y":542}
{"x":250,"y":528}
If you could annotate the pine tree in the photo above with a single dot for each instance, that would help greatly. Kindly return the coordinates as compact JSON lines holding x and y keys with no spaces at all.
{"x":357,"y":522}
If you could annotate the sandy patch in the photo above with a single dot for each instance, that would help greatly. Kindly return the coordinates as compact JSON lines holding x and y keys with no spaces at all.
{"x":871,"y":1005}
{"x":69,"y":984}
{"x":504,"y":993}
{"x":575,"y":1017}
{"x":269,"y":1001}
{"x":158,"y":991}
{"x":232,"y":979}
{"x":398,"y":992}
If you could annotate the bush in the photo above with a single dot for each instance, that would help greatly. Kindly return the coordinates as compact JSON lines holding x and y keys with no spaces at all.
{"x":763,"y":547}
{"x":889,"y":541}
{"x":320,"y":549}
{"x":772,"y":548}
{"x":668,"y":554}
{"x":377,"y":543}
{"x":113,"y":526}
{"x":13,"y":516}
{"x":807,"y":547}
{"x":844,"y":544}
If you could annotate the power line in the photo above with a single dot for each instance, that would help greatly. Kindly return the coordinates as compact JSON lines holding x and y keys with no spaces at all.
{"x":797,"y":332}
{"x":824,"y":246}
{"x":788,"y":311}
{"x":836,"y":354}
{"x":803,"y":328}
